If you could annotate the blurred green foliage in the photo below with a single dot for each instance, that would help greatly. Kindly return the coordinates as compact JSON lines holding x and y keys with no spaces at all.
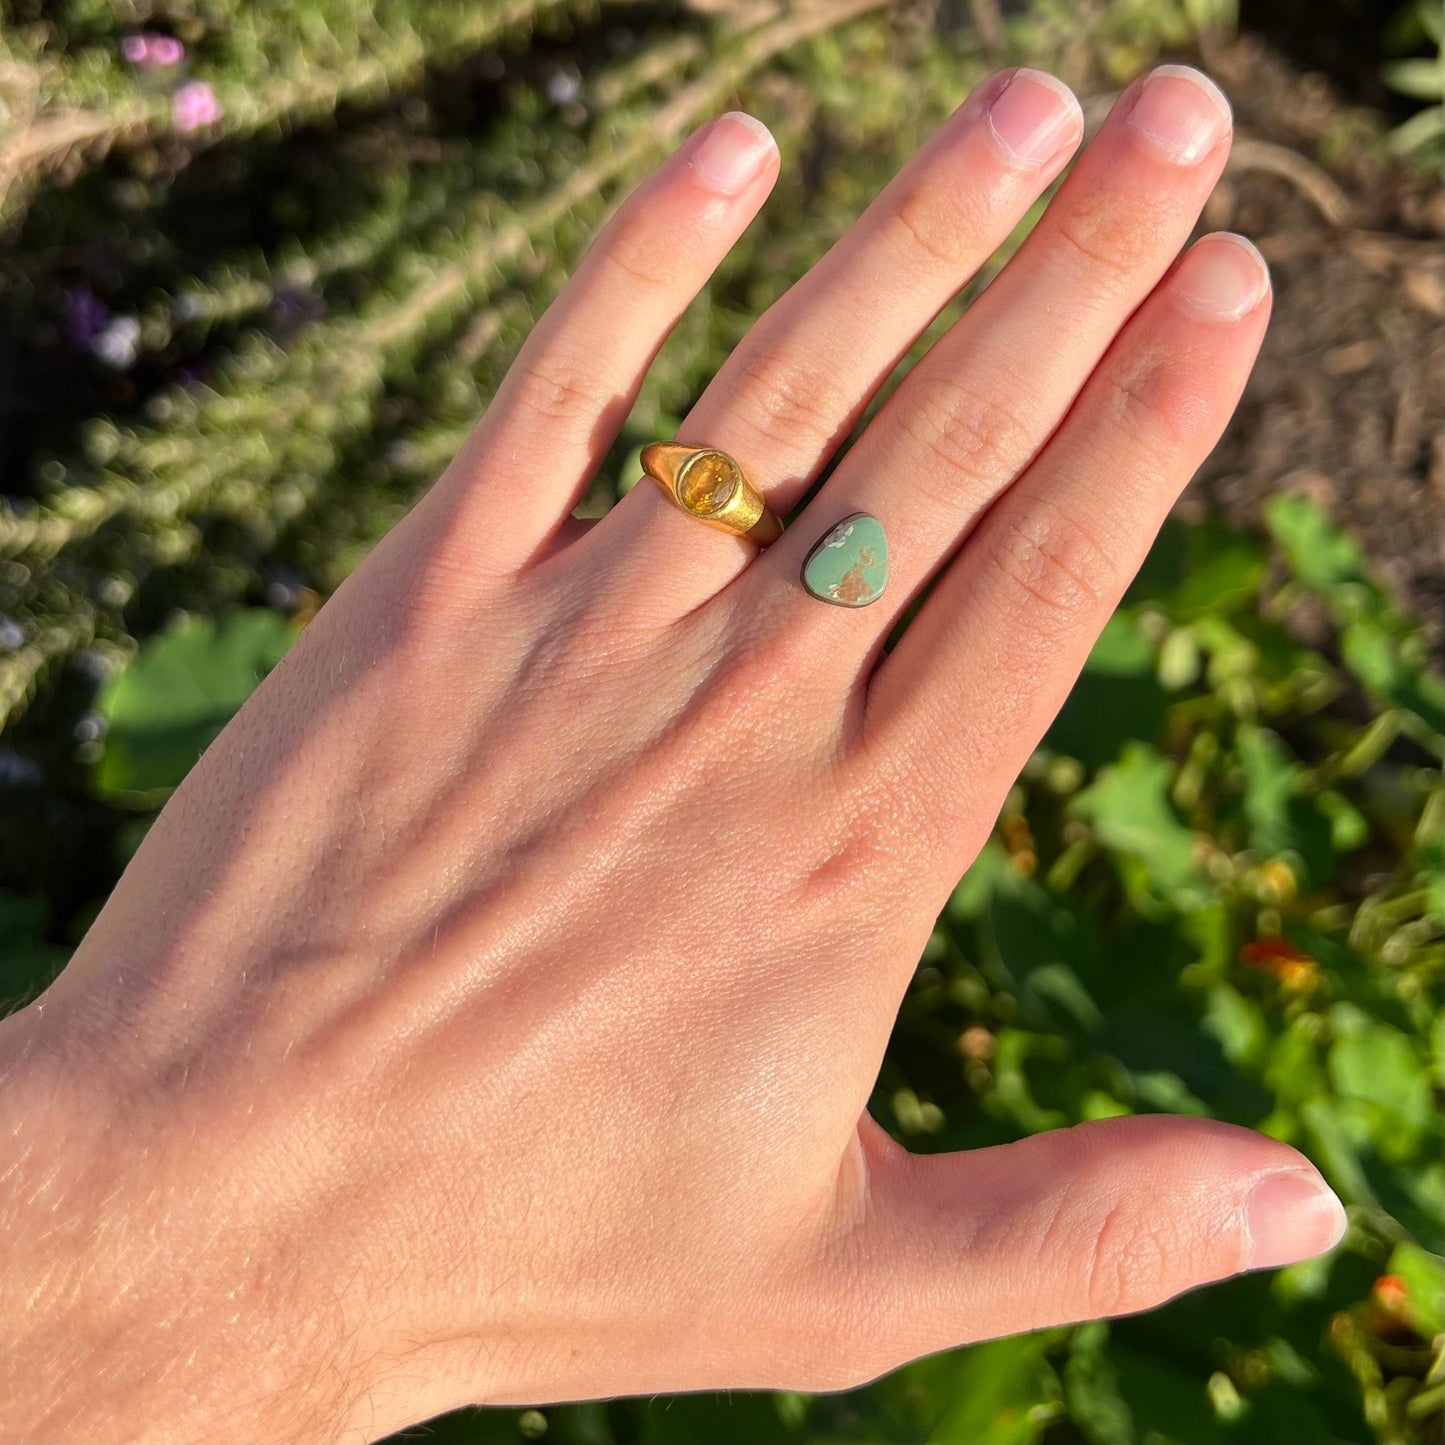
{"x":173,"y":699}
{"x":1217,"y":888}
{"x":1419,"y":24}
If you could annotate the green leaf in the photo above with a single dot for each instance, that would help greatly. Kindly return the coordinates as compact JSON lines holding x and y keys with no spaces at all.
{"x":27,"y":961}
{"x":994,"y":1389}
{"x":1116,"y":1392}
{"x":1432,"y":20}
{"x":707,"y":1419}
{"x":1372,"y":651}
{"x":1238,"y":1023}
{"x":1174,"y":1063}
{"x":1222,"y":572}
{"x":989,"y":871}
{"x":1179,"y":660}
{"x":1294,"y":1070}
{"x":1380,"y":1065}
{"x":1232,"y":653}
{"x":1168,"y":1402}
{"x":1349,"y":828}
{"x":1423,"y":1275}
{"x":1281,"y":818}
{"x":1420,"y":78}
{"x":1014,"y":1049}
{"x":181,"y":689}
{"x":1040,"y":945}
{"x":1423,"y":130}
{"x":1129,"y":809}
{"x":1318,"y":553}
{"x":1091,"y":1388}
{"x":1118,"y":696}
{"x":1096,"y":1104}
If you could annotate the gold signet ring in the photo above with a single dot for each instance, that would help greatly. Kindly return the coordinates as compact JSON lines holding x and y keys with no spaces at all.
{"x":710,"y":485}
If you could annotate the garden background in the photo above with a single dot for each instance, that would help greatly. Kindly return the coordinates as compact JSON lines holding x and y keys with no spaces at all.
{"x":261,"y":267}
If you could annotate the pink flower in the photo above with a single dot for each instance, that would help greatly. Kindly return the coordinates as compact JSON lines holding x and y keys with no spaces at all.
{"x":154,"y":52}
{"x":195,"y":105}
{"x":165,"y":50}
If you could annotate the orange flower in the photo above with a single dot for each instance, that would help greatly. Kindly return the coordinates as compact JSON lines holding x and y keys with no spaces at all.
{"x":1018,"y":838}
{"x":1299,"y":977}
{"x":1277,"y":880}
{"x":1277,"y":955}
{"x":1392,"y":1295}
{"x":1388,"y":1314}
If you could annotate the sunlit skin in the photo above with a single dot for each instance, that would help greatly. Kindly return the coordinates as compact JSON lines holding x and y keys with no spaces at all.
{"x":492,"y":1013}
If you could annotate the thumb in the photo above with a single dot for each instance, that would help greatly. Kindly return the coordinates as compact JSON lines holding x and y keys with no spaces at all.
{"x":1102,"y":1219}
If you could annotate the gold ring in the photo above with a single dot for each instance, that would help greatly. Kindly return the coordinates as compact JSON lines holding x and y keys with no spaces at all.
{"x":710,"y":485}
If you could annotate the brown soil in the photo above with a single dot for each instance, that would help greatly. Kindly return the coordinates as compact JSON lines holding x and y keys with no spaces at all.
{"x":1345,"y":404}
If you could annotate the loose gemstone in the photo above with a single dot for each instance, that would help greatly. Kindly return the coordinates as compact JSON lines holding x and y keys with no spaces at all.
{"x":707,"y":484}
{"x":849,"y":567}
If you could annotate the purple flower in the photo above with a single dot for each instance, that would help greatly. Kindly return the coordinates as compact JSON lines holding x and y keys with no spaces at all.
{"x":135,"y":48}
{"x":85,"y":316}
{"x":17,"y":771}
{"x":294,"y":305}
{"x":195,"y":105}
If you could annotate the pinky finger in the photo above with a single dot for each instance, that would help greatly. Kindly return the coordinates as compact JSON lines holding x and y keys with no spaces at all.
{"x":979,"y":675}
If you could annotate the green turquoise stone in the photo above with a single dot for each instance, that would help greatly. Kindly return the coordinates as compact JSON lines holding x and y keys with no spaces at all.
{"x":849,"y":567}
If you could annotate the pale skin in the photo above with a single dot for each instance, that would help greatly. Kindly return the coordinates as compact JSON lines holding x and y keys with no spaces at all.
{"x":492,"y":1013}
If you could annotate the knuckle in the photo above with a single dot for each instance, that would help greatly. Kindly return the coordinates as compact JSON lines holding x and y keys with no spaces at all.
{"x":754,"y":687}
{"x":860,"y":851}
{"x":935,"y":227}
{"x":1104,"y":240}
{"x":1057,"y":569}
{"x":785,"y":400}
{"x":560,"y":388}
{"x":433,"y":577}
{"x":645,"y":255}
{"x":1128,"y":1266}
{"x":1156,"y":421}
{"x":970,"y":433}
{"x":889,"y":825}
{"x":445,"y":590}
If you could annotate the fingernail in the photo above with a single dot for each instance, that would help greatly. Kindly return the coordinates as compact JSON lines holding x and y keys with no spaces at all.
{"x":1034,"y":115}
{"x":1223,"y":276}
{"x":1182,"y":113}
{"x":1291,"y":1215}
{"x":730,"y":152}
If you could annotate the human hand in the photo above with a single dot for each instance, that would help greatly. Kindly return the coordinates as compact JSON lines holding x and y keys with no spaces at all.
{"x":491,"y":1015}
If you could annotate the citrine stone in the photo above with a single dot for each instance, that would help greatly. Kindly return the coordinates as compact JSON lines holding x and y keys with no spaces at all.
{"x":708,"y":484}
{"x":849,"y":567}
